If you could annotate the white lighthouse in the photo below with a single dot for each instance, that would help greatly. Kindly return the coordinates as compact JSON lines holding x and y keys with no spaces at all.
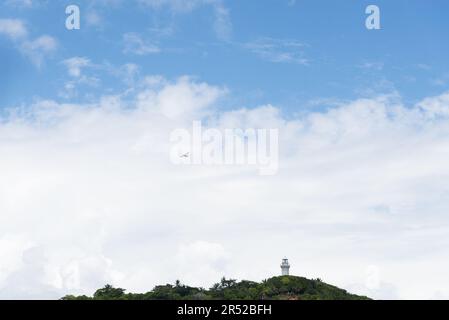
{"x":285,"y":267}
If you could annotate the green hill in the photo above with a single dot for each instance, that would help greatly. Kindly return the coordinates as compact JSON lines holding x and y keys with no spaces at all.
{"x":276,"y":288}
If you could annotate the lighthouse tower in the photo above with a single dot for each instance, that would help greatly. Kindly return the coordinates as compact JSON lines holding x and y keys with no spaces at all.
{"x":285,"y":267}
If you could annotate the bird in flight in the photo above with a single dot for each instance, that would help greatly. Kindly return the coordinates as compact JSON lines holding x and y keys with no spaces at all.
{"x":185,"y":155}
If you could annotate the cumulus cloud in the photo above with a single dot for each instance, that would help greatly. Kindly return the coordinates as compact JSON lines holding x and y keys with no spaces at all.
{"x":222,"y":24}
{"x":88,"y":195}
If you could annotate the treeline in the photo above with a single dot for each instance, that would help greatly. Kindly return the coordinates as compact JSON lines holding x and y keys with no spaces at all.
{"x":277,"y":288}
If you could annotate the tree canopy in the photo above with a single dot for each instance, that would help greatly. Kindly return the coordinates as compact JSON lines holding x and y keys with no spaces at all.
{"x":277,"y":288}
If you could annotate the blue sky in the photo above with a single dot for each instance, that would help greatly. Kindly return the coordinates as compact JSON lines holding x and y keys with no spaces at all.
{"x":293,"y":54}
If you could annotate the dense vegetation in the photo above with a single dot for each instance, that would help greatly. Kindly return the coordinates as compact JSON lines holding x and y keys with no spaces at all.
{"x":277,"y":288}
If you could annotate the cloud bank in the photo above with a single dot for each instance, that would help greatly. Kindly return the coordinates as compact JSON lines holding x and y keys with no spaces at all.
{"x":88,"y":196}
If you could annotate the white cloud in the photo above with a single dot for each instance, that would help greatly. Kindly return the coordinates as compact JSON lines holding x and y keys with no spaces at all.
{"x":136,"y":45}
{"x":88,"y":196}
{"x":201,"y":259}
{"x":13,"y":28}
{"x":372,"y":65}
{"x":36,"y":50}
{"x":441,"y":81}
{"x":436,"y":107}
{"x":75,"y":65}
{"x":222,"y":24}
{"x":93,"y":18}
{"x":279,"y":50}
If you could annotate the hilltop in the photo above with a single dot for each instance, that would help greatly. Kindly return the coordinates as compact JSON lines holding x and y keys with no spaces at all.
{"x":276,"y":288}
